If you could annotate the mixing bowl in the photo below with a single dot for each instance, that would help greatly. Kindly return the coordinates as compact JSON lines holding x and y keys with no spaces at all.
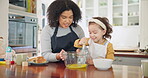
{"x":102,"y":64}
{"x":74,"y":60}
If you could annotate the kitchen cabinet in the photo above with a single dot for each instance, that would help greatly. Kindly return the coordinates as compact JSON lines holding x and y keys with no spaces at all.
{"x":119,"y":12}
{"x":89,"y":8}
{"x":135,"y":61}
{"x":125,"y":12}
{"x":23,"y":7}
{"x":123,"y":15}
{"x":133,"y":13}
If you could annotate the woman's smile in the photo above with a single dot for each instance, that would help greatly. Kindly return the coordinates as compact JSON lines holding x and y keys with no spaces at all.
{"x":66,"y":18}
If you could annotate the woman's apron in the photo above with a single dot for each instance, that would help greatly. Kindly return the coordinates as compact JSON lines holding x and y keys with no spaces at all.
{"x":65,"y":42}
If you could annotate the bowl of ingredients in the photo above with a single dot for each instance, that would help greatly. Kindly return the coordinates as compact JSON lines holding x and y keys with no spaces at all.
{"x":102,"y":64}
{"x":74,"y":60}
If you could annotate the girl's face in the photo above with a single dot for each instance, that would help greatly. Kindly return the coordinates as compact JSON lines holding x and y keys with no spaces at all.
{"x":66,"y":19}
{"x":96,"y":32}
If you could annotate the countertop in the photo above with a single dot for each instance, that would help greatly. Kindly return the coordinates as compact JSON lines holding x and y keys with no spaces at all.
{"x":58,"y":70}
{"x":118,"y":52}
{"x":24,"y":49}
{"x":132,"y":54}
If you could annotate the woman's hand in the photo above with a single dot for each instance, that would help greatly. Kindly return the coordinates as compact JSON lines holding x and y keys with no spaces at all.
{"x":60,"y":56}
{"x":78,"y":50}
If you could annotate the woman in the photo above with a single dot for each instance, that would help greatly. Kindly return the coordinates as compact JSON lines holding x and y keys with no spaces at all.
{"x":62,"y":30}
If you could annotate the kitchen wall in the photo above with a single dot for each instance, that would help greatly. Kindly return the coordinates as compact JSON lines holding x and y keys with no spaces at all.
{"x":125,"y":37}
{"x":143,"y":23}
{"x":4,"y":21}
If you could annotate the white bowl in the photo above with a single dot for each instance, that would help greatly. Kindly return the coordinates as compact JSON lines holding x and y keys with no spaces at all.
{"x":102,"y":64}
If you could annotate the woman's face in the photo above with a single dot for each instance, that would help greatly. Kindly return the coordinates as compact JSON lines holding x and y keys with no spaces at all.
{"x":95,"y":32}
{"x":66,"y":18}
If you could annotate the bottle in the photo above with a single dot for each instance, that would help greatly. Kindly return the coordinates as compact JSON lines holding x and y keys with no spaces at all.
{"x":9,"y":54}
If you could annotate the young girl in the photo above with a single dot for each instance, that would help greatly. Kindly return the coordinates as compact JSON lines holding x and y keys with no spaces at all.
{"x":99,"y":46}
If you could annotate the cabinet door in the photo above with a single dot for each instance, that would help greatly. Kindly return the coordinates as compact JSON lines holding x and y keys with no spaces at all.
{"x":125,"y":12}
{"x":125,"y":35}
{"x":117,"y":13}
{"x":89,"y":8}
{"x":103,"y":8}
{"x":133,"y":12}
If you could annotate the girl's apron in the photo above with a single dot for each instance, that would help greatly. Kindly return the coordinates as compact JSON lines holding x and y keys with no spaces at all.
{"x":97,"y":50}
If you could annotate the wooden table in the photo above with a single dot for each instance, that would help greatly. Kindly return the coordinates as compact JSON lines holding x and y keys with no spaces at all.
{"x":58,"y":70}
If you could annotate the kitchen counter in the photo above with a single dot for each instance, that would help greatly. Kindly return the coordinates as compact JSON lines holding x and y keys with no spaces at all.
{"x":58,"y":70}
{"x":131,"y":54}
{"x":129,"y":58}
{"x":24,"y":49}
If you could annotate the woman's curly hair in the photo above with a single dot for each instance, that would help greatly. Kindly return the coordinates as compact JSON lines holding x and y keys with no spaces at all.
{"x":57,"y":7}
{"x":105,"y":21}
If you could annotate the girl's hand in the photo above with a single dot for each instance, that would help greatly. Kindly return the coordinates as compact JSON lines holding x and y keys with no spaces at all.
{"x":79,"y":42}
{"x":90,"y":62}
{"x":83,"y":41}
